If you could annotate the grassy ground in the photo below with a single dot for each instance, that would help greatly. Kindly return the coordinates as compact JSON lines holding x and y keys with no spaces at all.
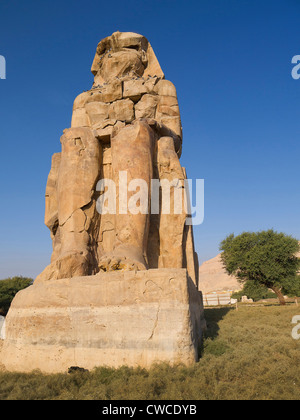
{"x":247,"y":354}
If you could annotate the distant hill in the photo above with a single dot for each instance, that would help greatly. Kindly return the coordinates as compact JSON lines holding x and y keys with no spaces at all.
{"x":213,"y":277}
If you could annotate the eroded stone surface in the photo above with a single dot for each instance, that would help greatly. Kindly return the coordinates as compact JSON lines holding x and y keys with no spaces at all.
{"x":129,"y":94}
{"x":108,"y":319}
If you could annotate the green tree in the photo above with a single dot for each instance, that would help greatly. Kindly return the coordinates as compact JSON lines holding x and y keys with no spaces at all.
{"x":267,"y":258}
{"x":9,"y":288}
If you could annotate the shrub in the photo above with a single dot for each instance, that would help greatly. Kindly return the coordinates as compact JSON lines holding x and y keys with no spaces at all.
{"x":9,"y":288}
{"x":254,"y":291}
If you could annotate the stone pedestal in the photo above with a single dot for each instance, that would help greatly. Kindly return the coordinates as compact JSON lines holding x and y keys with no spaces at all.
{"x":113,"y":319}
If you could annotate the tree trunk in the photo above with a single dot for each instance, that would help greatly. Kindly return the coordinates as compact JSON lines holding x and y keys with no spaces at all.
{"x":279,"y":295}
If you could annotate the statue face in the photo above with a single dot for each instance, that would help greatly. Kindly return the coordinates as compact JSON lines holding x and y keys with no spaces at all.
{"x":121,"y":63}
{"x":121,"y":54}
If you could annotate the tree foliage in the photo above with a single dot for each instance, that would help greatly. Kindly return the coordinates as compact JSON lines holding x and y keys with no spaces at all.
{"x":9,"y":288}
{"x":267,"y":258}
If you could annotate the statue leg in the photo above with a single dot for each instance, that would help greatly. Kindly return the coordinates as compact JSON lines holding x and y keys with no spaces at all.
{"x":172,"y":222}
{"x":78,"y":174}
{"x":51,"y":206}
{"x":132,"y":153}
{"x":77,"y":218}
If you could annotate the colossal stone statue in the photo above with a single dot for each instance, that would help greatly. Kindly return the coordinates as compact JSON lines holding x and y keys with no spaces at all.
{"x":129,"y":121}
{"x":122,"y":285}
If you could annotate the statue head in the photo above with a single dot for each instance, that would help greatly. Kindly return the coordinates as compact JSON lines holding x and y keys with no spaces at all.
{"x":125,"y":54}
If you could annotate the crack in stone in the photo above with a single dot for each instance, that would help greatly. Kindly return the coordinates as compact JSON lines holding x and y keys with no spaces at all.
{"x":155,"y":323}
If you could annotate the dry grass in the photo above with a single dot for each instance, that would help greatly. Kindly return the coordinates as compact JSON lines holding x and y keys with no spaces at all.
{"x":247,"y":354}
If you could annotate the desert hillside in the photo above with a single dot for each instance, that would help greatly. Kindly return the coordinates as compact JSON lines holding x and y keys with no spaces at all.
{"x":213,"y":277}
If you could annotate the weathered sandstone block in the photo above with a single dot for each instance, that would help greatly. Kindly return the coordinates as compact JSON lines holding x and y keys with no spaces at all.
{"x":132,"y":318}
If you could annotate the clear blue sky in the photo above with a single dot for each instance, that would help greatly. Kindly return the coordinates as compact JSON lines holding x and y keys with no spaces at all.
{"x":230,"y":61}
